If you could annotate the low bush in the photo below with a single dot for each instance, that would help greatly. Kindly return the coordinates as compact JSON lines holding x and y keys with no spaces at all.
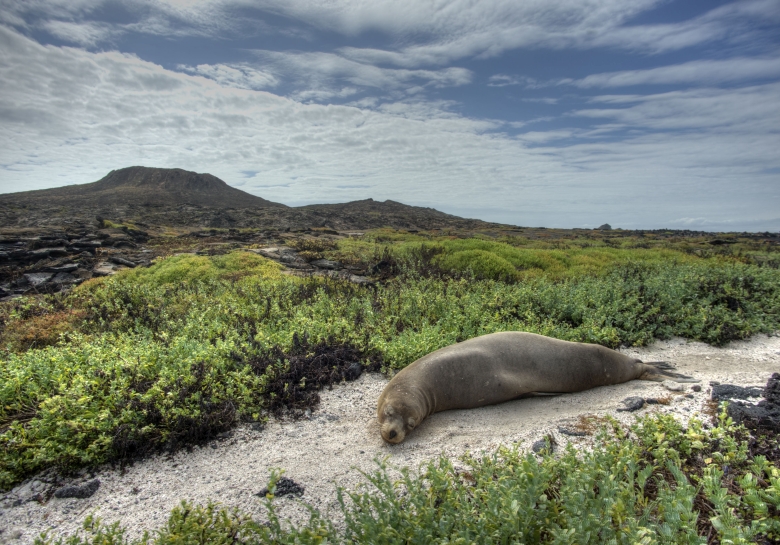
{"x":192,"y":268}
{"x":655,"y":483}
{"x":169,"y":355}
{"x":479,"y":263}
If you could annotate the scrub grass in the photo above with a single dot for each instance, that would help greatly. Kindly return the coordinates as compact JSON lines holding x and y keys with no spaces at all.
{"x":517,"y":258}
{"x":162,"y":357}
{"x":655,"y":483}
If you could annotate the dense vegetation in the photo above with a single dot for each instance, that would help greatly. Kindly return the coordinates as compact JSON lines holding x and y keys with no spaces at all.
{"x":177,"y":352}
{"x":658,"y":483}
{"x":161,"y":357}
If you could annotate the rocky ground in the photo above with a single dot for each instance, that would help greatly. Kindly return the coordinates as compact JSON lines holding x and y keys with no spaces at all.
{"x":366,"y":214}
{"x":332,"y":445}
{"x":53,"y":260}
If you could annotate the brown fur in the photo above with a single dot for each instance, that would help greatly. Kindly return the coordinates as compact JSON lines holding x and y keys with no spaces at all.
{"x":499,"y":367}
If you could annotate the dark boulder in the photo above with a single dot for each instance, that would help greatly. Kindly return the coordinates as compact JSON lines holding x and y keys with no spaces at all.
{"x":82,"y":491}
{"x":763,"y":416}
{"x":284,"y":487}
{"x":724,"y":392}
{"x":631,"y":404}
{"x":326,"y":264}
{"x":34,"y":280}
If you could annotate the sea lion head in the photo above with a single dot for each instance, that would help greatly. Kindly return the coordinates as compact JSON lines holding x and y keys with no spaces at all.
{"x":396,"y":420}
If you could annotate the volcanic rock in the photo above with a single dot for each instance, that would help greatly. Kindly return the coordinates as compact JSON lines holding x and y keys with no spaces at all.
{"x":36,"y":279}
{"x":724,"y":392}
{"x":763,"y":416}
{"x":82,"y":491}
{"x":284,"y":487}
{"x":326,"y":264}
{"x":633,"y":403}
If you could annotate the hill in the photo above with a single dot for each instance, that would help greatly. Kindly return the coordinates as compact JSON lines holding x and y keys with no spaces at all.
{"x":144,"y":186}
{"x":159,"y":197}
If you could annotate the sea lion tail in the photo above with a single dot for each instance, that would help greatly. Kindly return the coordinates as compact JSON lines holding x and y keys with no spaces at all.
{"x":660,"y":371}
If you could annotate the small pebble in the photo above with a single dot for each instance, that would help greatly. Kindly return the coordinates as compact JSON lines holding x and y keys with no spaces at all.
{"x":572,"y":433}
{"x":673,"y":386}
{"x":631,"y":404}
{"x":544,"y":445}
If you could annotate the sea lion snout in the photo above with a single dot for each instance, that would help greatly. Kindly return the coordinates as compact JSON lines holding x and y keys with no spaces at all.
{"x":392,"y":433}
{"x":394,"y":426}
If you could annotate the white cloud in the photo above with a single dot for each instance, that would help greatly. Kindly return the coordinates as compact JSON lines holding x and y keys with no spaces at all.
{"x":442,"y":32}
{"x":84,"y":34}
{"x":540,"y":137}
{"x":748,"y":110}
{"x":503,"y":80}
{"x":322,"y":71}
{"x":70,"y":116}
{"x":239,"y":75}
{"x":542,"y":100}
{"x":430,"y":33}
{"x":703,"y":72}
{"x":323,"y":95}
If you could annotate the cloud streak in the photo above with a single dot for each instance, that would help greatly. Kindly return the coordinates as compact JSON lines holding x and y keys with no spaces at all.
{"x":700,"y":72}
{"x":113,"y":109}
{"x":442,"y":31}
{"x":241,"y":76}
{"x":319,"y":71}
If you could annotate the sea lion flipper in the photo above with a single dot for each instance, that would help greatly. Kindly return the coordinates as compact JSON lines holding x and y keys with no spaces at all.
{"x":659,"y":371}
{"x":663,"y":365}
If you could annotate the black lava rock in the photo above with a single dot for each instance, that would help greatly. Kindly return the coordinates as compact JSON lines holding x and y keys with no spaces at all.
{"x":772,"y":390}
{"x":761,"y":416}
{"x":572,"y":433}
{"x":721,"y":392}
{"x":632,"y":404}
{"x":84,"y":491}
{"x":284,"y":487}
{"x":765,"y":415}
{"x":354,"y":371}
{"x":545,"y":445}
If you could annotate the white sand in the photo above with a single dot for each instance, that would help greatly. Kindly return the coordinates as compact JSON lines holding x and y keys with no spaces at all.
{"x":342,"y":437}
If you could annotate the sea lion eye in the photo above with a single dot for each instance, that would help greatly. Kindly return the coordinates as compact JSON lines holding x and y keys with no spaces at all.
{"x":411,"y":422}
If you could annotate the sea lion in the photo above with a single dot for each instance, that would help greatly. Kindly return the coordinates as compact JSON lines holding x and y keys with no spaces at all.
{"x":499,"y":367}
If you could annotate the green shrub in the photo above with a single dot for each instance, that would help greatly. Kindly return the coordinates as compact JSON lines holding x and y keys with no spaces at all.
{"x":162,"y":356}
{"x":657,"y":483}
{"x":480,"y":263}
{"x":191,"y":268}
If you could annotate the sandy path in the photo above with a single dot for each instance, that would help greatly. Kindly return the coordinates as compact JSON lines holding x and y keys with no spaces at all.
{"x":342,"y":437}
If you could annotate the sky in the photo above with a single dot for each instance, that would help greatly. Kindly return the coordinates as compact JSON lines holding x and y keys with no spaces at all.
{"x":644,"y":114}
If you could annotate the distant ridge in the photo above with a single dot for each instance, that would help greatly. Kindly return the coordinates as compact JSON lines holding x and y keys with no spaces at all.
{"x":393,"y":213}
{"x":144,"y":186}
{"x":172,"y":197}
